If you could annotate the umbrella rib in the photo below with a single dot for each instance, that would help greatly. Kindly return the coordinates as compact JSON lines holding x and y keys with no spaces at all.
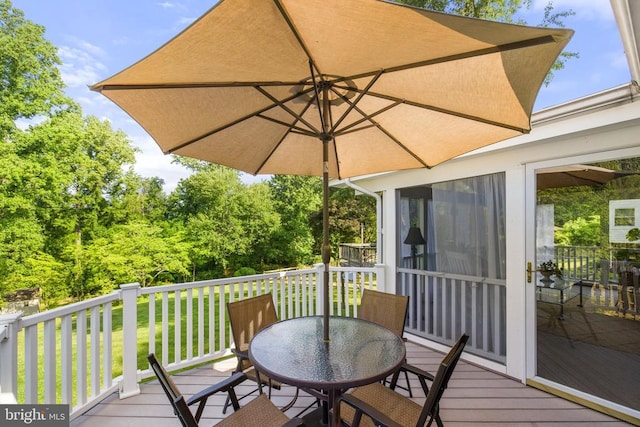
{"x":257,"y":113}
{"x":279,"y":103}
{"x":464,"y":55}
{"x":296,"y":34}
{"x":290,"y":126}
{"x":449,"y":112}
{"x":275,"y":147}
{"x":214,"y":131}
{"x":352,"y":105}
{"x":401,"y":145}
{"x":366,"y":117}
{"x":199,"y":85}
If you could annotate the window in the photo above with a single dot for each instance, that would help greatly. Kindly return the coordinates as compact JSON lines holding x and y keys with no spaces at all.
{"x":625,"y":217}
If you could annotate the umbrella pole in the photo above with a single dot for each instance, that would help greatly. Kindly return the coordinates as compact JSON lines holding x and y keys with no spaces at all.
{"x":326,"y":248}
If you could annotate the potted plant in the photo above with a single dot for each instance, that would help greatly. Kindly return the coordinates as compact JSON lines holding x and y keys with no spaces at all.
{"x":549,"y":268}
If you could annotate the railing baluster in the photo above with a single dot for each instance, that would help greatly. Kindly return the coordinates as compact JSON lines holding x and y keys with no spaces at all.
{"x":95,"y":350}
{"x":177,"y":322}
{"x":212,"y":319}
{"x":31,"y":364}
{"x":485,"y":318}
{"x":165,"y":328}
{"x":189,"y":325}
{"x":49,"y":362}
{"x":66,"y":347}
{"x":200,"y":322}
{"x":474,"y":315}
{"x":290,"y":301}
{"x":107,"y":347}
{"x":222,"y":309}
{"x":81,"y":357}
{"x":152,"y":323}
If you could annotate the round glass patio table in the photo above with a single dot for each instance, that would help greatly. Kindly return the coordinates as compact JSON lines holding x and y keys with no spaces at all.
{"x":358,"y":352}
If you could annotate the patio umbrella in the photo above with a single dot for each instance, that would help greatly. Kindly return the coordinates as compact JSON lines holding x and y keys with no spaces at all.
{"x":576,"y":175}
{"x":335,"y":88}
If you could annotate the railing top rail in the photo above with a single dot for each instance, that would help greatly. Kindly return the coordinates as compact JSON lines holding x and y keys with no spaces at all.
{"x":222,"y":281}
{"x":479,"y":279}
{"x":69,"y":309}
{"x":354,"y":268}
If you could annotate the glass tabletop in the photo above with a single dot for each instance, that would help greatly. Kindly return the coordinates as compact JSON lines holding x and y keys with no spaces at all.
{"x":554,"y":283}
{"x":358,"y":352}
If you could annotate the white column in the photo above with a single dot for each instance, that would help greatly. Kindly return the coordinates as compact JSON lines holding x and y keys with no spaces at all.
{"x":129,"y":382}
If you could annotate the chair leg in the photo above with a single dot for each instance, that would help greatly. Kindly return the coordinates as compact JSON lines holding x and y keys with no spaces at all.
{"x":406,"y":377}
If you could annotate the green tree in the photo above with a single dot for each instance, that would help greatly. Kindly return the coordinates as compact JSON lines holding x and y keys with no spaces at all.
{"x":135,"y":252}
{"x":30,"y":80}
{"x":209,"y":206}
{"x":351,"y":219}
{"x":64,"y":177}
{"x":579,"y":232}
{"x":261,"y":222}
{"x":297,"y":199}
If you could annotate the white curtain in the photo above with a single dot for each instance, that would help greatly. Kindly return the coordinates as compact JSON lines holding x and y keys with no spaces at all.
{"x":544,"y":233}
{"x":469,"y":226}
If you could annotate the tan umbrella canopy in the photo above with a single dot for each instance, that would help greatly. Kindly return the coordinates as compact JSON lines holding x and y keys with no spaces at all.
{"x":576,"y":175}
{"x":335,"y":88}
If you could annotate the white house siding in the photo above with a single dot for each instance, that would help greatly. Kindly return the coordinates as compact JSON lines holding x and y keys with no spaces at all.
{"x":600,"y":127}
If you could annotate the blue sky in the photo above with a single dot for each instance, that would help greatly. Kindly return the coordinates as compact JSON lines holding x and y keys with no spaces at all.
{"x":97,"y":38}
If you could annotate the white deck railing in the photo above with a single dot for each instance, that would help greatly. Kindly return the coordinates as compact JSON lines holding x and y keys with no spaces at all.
{"x":66,"y":354}
{"x":442,"y":306}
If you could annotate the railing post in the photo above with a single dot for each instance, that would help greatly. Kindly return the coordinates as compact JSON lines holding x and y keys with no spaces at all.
{"x":9,"y":328}
{"x":319,"y":289}
{"x":129,"y":382}
{"x":380,"y":279}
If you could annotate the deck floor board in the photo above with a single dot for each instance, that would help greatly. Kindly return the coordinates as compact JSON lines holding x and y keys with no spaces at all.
{"x":475,"y":397}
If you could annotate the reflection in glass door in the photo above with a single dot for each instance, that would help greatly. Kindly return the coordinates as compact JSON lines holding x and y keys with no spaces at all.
{"x":587,"y":278}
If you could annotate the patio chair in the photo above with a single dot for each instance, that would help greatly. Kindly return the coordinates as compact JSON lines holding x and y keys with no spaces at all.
{"x":247,"y":317}
{"x":375,"y":404}
{"x":259,"y":412}
{"x":388,"y":310}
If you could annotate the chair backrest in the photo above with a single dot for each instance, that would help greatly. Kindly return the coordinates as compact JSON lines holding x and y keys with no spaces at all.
{"x":248,"y":316}
{"x":183,"y":413}
{"x":388,"y":310}
{"x":178,"y":403}
{"x":441,"y":380}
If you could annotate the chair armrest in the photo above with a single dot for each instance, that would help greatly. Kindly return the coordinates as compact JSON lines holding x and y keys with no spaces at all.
{"x":240,"y":353}
{"x":362,"y":407}
{"x":223,"y":385}
{"x":417,"y":371}
{"x":423,"y":376}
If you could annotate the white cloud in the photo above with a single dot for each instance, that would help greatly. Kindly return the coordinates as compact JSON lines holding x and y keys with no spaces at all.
{"x":80,"y":64}
{"x":151,"y":162}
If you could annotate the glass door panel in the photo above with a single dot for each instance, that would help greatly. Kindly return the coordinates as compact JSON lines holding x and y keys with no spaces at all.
{"x":587,"y":278}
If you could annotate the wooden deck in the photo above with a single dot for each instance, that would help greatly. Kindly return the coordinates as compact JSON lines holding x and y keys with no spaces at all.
{"x":475,"y":397}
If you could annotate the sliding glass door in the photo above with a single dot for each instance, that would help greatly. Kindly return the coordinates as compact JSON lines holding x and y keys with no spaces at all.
{"x":585,"y":281}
